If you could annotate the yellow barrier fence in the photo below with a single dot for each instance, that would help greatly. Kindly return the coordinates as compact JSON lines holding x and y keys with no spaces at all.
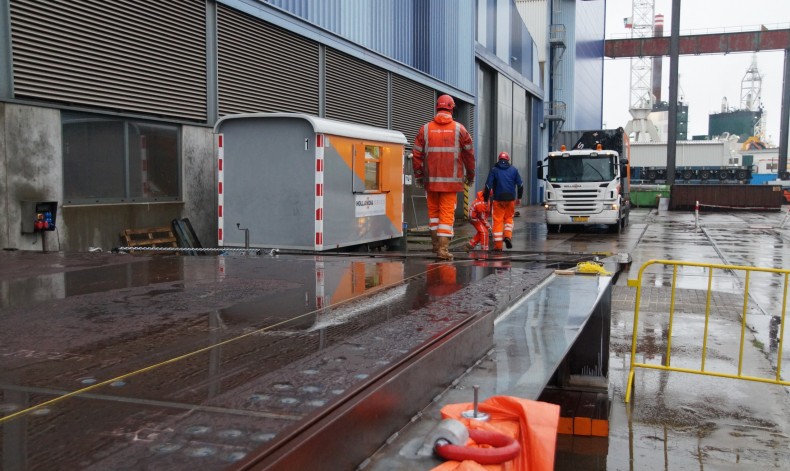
{"x":710,"y":267}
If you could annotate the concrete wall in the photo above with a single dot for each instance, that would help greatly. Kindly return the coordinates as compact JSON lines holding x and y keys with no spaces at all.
{"x":199,"y":170}
{"x":31,"y":169}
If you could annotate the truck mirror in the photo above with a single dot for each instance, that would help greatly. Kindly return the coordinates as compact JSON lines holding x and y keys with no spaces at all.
{"x":623,"y":161}
{"x":540,"y":171}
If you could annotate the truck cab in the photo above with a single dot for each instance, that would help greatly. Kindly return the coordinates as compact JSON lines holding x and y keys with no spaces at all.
{"x":585,"y":187}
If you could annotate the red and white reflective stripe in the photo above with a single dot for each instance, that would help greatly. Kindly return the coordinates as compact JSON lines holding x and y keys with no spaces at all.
{"x":146,"y":187}
{"x":403,"y":194}
{"x":221,"y":268}
{"x":220,"y":192}
{"x":319,"y":192}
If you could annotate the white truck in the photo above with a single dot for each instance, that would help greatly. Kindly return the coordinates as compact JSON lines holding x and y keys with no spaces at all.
{"x":588,"y":184}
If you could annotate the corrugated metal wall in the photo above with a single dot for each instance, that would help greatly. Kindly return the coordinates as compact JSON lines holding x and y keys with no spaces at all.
{"x":433,"y":36}
{"x":564,"y":13}
{"x":112,"y":55}
{"x":588,"y":80}
{"x":263,"y":68}
{"x":535,"y":16}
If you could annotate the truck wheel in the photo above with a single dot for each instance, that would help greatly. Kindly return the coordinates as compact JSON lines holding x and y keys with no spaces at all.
{"x":704,"y":174}
{"x":687,"y":175}
{"x":741,"y":174}
{"x":722,"y":174}
{"x":615,"y":228}
{"x":651,"y":175}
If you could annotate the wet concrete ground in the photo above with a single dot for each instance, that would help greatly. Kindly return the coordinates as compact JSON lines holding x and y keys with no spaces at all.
{"x":178,"y":360}
{"x":679,"y":420}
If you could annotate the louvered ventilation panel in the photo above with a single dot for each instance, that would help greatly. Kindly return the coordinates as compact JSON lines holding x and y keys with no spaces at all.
{"x":114,"y":55}
{"x":355,"y":90}
{"x":412,"y":106}
{"x":263,"y":68}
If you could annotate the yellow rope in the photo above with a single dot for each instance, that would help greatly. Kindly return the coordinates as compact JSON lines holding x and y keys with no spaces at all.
{"x":592,"y":267}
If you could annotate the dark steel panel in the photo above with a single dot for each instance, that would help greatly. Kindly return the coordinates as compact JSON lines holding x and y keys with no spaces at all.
{"x":726,"y":196}
{"x":385,"y":406}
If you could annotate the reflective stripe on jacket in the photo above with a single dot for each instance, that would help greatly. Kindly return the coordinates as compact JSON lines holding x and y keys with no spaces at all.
{"x":442,"y":151}
{"x":478,"y":210}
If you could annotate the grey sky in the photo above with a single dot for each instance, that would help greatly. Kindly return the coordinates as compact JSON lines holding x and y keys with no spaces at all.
{"x":704,"y":80}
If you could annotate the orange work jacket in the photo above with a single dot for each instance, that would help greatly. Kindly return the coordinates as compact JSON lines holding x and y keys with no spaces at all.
{"x":442,"y":150}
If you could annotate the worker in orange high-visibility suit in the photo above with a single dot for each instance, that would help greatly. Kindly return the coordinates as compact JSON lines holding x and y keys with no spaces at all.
{"x":443,"y":160}
{"x":478,"y":216}
{"x":505,"y":187}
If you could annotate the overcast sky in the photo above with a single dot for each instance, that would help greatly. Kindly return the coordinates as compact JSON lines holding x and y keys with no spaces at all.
{"x":704,"y":80}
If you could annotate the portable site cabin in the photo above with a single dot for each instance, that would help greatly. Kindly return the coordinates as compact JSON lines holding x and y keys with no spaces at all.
{"x":295,"y":181}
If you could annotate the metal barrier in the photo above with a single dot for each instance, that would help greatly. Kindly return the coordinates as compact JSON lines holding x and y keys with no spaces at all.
{"x":710,"y":267}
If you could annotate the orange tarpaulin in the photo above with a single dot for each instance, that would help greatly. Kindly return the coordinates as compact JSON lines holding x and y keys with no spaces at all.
{"x":532,"y":423}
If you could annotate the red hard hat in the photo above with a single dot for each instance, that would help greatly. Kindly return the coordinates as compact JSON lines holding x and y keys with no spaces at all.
{"x":445,"y":102}
{"x":504,"y":156}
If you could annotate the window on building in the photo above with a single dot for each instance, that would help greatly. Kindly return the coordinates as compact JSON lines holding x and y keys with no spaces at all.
{"x":372,"y":165}
{"x":117,"y":160}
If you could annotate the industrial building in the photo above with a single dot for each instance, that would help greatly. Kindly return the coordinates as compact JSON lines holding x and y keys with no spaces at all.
{"x":107,"y":108}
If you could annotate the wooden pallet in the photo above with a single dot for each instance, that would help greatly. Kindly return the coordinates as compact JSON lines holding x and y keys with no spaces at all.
{"x":149,"y":237}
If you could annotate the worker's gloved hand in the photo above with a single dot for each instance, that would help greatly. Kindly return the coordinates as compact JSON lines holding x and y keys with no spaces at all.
{"x":418,"y":183}
{"x":469,"y":180}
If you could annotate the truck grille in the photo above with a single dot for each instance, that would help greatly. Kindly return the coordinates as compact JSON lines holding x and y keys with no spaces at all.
{"x":580,"y":201}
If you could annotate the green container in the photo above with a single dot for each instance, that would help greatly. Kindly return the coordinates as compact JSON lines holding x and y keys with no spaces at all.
{"x":646,"y":196}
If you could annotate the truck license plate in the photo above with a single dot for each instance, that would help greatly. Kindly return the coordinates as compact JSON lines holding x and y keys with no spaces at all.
{"x":580,"y":218}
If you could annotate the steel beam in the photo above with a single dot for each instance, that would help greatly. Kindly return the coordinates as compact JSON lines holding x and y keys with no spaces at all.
{"x":720,"y":43}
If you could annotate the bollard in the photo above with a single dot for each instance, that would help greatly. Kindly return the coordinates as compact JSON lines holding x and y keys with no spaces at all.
{"x":696,"y":215}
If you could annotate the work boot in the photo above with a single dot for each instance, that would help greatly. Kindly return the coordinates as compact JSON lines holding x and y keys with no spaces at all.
{"x":443,"y":252}
{"x":434,"y":242}
{"x":469,"y":247}
{"x":508,"y":244}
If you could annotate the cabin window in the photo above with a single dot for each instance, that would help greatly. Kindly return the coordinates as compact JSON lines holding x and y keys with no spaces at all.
{"x":372,"y":168}
{"x":118,"y":160}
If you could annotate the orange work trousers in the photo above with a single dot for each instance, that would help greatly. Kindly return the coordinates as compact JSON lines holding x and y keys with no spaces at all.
{"x":503,"y":221}
{"x":481,"y":237}
{"x":441,"y":212}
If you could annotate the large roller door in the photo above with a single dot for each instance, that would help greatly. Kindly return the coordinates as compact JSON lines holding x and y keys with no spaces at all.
{"x":263,"y":68}
{"x":355,"y":90}
{"x":148,"y":57}
{"x":412,"y":106}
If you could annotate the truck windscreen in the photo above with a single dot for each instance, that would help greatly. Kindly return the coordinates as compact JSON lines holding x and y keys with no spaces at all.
{"x":581,"y":168}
